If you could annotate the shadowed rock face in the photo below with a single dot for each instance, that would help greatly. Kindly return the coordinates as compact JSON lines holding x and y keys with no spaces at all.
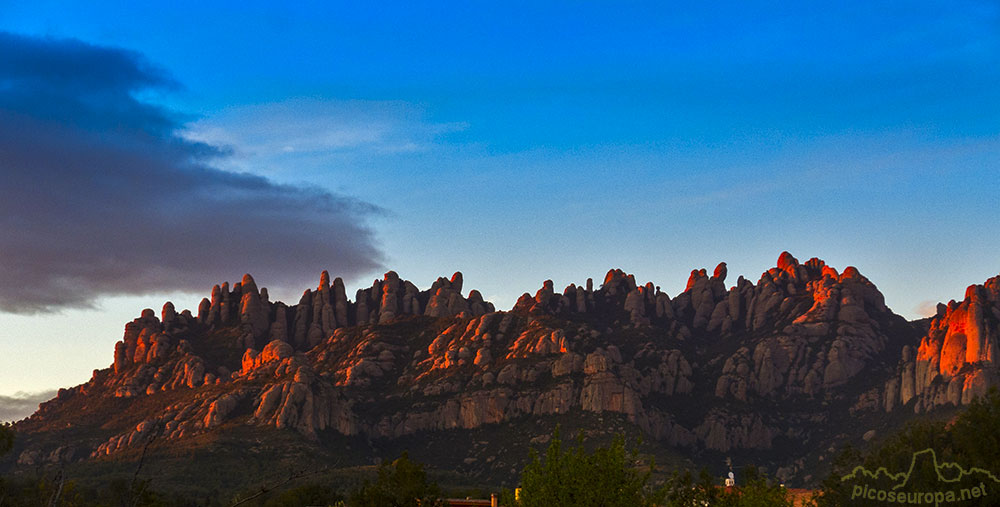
{"x":759,"y":367}
{"x":805,"y":327}
{"x":818,"y":329}
{"x":956,"y":360}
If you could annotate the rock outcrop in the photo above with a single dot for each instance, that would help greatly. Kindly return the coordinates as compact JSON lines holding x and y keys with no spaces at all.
{"x":816,"y":329}
{"x":956,"y":361}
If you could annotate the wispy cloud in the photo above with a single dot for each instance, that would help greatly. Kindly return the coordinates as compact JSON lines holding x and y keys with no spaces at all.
{"x":265,"y":137}
{"x":102,"y":195}
{"x":926,"y":309}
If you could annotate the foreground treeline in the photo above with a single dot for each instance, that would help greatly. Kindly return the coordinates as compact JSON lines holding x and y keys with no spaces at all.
{"x":930,"y":461}
{"x":965,"y":452}
{"x":617,"y":477}
{"x":564,"y":475}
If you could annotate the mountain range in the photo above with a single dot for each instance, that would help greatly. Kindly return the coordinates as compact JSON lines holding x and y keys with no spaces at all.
{"x":777,"y":374}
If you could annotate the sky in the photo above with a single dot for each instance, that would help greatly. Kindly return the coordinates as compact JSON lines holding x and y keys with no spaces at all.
{"x":148,"y":153}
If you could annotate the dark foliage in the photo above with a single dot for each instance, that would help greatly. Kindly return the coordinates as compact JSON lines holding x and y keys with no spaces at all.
{"x":931,"y":456}
{"x":402,"y":483}
{"x":606,"y":477}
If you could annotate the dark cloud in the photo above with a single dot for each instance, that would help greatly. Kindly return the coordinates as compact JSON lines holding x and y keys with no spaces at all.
{"x":100,"y":195}
{"x":21,"y":405}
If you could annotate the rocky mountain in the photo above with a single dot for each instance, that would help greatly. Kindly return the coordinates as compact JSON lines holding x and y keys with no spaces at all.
{"x":776,"y":373}
{"x":956,"y":360}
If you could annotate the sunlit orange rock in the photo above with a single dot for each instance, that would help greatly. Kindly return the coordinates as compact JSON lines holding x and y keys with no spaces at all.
{"x":787,"y":263}
{"x":956,"y":360}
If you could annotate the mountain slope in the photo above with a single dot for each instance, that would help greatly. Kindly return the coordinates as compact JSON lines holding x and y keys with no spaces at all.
{"x":775,"y":373}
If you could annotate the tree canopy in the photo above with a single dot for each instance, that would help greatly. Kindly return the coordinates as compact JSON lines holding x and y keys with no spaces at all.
{"x":402,"y":483}
{"x":606,"y":477}
{"x":612,"y":476}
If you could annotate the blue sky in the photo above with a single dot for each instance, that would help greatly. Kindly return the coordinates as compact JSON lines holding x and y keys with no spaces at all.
{"x":519,"y":142}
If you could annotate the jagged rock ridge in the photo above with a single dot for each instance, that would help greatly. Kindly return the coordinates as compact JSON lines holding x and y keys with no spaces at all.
{"x":692,"y":371}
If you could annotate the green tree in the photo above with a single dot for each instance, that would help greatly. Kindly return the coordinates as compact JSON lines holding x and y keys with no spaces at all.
{"x":976,"y":432}
{"x":43,"y":490}
{"x":971,"y":440}
{"x":683,"y":490}
{"x":755,"y":490}
{"x":6,"y":438}
{"x":833,"y":491}
{"x":308,"y":494}
{"x":572,"y":476}
{"x":403,"y":483}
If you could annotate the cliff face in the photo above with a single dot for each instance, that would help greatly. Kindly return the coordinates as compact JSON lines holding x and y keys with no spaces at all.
{"x":956,"y":361}
{"x":780,"y":369}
